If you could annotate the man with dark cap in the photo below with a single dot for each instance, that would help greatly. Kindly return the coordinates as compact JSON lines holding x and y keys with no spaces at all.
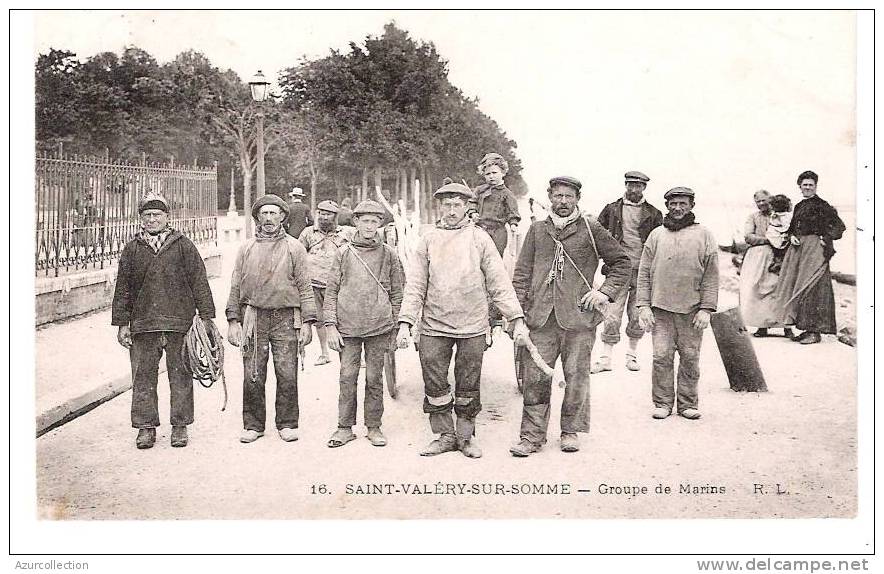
{"x":161,"y":285}
{"x":630,"y":220}
{"x":362,"y":303}
{"x":270,"y":308}
{"x":322,"y":240}
{"x":299,"y":213}
{"x":453,"y":272}
{"x":552,"y":279}
{"x":677,"y":293}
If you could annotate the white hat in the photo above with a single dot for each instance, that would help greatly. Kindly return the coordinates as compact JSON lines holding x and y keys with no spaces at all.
{"x":296,"y":191}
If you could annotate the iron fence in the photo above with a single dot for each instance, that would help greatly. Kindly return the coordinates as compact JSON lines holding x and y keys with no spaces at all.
{"x":87,"y":209}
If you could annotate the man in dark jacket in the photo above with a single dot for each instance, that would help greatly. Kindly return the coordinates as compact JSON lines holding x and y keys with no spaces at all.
{"x":630,"y":220}
{"x":299,"y":213}
{"x":553,"y":283}
{"x":161,"y":284}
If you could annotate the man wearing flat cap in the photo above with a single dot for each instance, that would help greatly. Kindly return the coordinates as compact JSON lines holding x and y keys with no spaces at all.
{"x":362,"y":303}
{"x":630,"y":220}
{"x":270,"y":308}
{"x":677,"y":293}
{"x":553,"y":281}
{"x":299,"y":213}
{"x":161,"y":285}
{"x":454,"y":271}
{"x":322,"y":240}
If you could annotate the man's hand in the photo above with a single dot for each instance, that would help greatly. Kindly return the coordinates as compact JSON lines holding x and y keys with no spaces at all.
{"x":403,"y":336}
{"x":795,"y":241}
{"x":234,"y":333}
{"x":520,"y":332}
{"x":124,"y":336}
{"x":594,"y":299}
{"x":305,"y":334}
{"x":701,"y":319}
{"x":646,"y":318}
{"x":335,"y":341}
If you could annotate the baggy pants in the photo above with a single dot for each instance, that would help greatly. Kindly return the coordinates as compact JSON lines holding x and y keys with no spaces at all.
{"x":675,"y":332}
{"x":575,"y":348}
{"x":435,"y":357}
{"x":144,"y":356}
{"x":625,"y":300}
{"x":275,"y":329}
{"x":373,"y":409}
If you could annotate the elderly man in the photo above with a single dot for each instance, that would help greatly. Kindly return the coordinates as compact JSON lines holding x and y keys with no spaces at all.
{"x":552,"y":279}
{"x":161,"y":284}
{"x":630,"y":220}
{"x":321,"y":241}
{"x":299,"y":213}
{"x":270,"y":308}
{"x":677,"y":293}
{"x":362,"y":303}
{"x":453,"y":272}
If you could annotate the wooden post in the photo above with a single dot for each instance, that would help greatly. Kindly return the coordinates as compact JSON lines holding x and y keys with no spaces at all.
{"x":737,"y":354}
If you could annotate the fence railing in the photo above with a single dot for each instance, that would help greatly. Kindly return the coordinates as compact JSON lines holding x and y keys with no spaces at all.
{"x":87,"y":208}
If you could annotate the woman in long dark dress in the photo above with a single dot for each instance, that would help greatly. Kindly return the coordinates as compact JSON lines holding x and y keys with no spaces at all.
{"x":805,"y":287}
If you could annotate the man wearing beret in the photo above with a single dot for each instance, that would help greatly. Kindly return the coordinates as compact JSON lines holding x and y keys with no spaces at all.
{"x":362,"y":303}
{"x":322,"y":240}
{"x":630,"y":220}
{"x":454,"y":271}
{"x":299,"y":213}
{"x":161,"y":285}
{"x":553,"y":279}
{"x":270,"y":307}
{"x":677,"y":293}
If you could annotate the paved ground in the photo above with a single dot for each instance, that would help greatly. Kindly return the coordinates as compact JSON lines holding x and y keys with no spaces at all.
{"x":796,"y":436}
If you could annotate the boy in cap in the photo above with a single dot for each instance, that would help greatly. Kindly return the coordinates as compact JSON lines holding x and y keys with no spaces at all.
{"x":161,"y":284}
{"x":322,"y":240}
{"x":270,"y":307}
{"x":553,"y":281}
{"x":453,"y":272}
{"x":362,"y":302}
{"x":677,"y":293}
{"x":630,"y":220}
{"x":299,"y":214}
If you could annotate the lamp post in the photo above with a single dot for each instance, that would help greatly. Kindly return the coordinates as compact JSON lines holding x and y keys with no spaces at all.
{"x":258,"y":85}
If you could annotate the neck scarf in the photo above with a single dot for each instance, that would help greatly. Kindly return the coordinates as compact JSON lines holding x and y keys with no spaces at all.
{"x":360,"y":241}
{"x":260,"y":235}
{"x":673,"y":224}
{"x":460,"y":224}
{"x":156,"y":241}
{"x":561,"y":222}
{"x":627,"y":202}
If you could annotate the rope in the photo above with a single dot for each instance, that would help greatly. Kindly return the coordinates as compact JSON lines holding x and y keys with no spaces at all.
{"x":203,"y":354}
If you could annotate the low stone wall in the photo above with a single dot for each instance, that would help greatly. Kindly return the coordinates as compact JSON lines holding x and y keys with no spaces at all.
{"x":60,"y":298}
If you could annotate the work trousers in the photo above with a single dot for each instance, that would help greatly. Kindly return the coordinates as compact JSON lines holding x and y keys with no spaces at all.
{"x":373,"y":406}
{"x":625,"y":300}
{"x":575,"y":348}
{"x":144,"y":355}
{"x":675,"y":332}
{"x":275,"y":330}
{"x":435,"y":357}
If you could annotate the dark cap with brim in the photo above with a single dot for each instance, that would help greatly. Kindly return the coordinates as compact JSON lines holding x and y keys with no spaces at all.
{"x":269,"y":199}
{"x":679,"y":191}
{"x":572,"y":182}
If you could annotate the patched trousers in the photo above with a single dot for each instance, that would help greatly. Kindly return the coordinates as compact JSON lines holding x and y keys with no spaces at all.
{"x":435,"y":357}
{"x":625,"y":300}
{"x":575,"y":348}
{"x":144,"y":355}
{"x":275,"y":331}
{"x":675,"y":332}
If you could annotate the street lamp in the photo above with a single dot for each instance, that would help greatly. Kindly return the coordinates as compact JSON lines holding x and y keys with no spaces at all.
{"x":258,"y":85}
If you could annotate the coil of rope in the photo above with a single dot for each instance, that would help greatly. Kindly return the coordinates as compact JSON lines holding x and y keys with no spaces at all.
{"x":203,"y":354}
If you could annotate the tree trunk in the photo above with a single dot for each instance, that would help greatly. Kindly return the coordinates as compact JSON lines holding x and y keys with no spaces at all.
{"x":339,"y":186}
{"x":397,"y":184}
{"x":378,"y":180}
{"x":314,"y":176}
{"x":425,"y":191}
{"x":363,"y":191}
{"x":737,"y":353}
{"x":412,"y":178}
{"x":247,"y":199}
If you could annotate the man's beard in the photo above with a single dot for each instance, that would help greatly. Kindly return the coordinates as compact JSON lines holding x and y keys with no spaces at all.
{"x":326,"y":225}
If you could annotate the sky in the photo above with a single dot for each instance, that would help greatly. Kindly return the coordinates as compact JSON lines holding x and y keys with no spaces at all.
{"x":723,"y":102}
